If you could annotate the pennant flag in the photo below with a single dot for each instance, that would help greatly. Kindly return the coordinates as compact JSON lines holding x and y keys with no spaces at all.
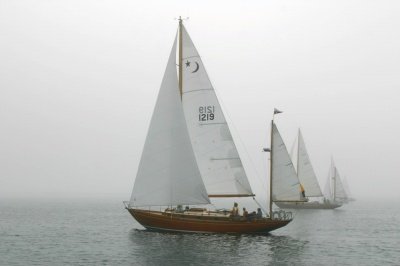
{"x":276,"y":111}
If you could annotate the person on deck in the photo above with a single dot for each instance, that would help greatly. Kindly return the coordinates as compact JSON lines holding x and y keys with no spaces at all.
{"x":179,"y":208}
{"x":303,"y":192}
{"x":259,"y":213}
{"x":235,"y":210}
{"x":245,"y":213}
{"x":251,"y":216}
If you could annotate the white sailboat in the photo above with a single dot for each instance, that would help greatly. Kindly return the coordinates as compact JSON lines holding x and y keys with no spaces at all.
{"x":189,"y":156}
{"x":334,"y":190}
{"x":308,"y":180}
{"x":284,"y":180}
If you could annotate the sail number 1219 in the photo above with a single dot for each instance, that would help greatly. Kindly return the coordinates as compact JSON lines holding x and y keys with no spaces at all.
{"x":206,"y":113}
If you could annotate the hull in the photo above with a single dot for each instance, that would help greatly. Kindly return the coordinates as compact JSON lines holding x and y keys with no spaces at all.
{"x":205,"y":222}
{"x":308,"y":205}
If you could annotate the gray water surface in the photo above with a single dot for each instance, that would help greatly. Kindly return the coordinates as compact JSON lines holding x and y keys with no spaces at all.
{"x":90,"y":232}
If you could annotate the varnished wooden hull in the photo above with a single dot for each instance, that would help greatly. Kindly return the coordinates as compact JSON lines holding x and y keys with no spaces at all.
{"x":308,"y":205}
{"x":161,"y":221}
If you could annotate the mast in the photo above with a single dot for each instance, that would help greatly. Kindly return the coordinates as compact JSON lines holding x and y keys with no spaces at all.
{"x":270,"y":170}
{"x":276,"y":111}
{"x":180,"y":55}
{"x":334,"y":183}
{"x":298,"y":152}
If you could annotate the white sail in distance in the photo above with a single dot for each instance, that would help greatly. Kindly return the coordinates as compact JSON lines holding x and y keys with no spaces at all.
{"x":168,"y":173}
{"x":340,"y":193}
{"x":328,"y":187}
{"x":285,"y":183}
{"x":217,"y":157}
{"x":347,"y":187}
{"x":305,"y":171}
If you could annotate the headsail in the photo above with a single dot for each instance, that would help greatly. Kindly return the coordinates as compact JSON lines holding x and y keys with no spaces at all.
{"x":328,"y":187}
{"x":285,"y":183}
{"x":168,"y":173}
{"x":347,"y":188}
{"x":305,"y":171}
{"x":217,"y":157}
{"x":340,"y":193}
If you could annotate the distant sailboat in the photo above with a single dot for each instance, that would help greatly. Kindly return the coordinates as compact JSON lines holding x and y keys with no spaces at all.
{"x":284,"y":180}
{"x":308,"y":180}
{"x":347,"y":190}
{"x":189,"y":157}
{"x":334,"y":190}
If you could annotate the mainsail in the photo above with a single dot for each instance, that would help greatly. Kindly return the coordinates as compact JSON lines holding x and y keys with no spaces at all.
{"x":217,"y":157}
{"x":305,"y":171}
{"x":285,"y":183}
{"x":168,"y":173}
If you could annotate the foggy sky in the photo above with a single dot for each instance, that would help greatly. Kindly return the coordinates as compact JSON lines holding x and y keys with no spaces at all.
{"x":79,"y":80}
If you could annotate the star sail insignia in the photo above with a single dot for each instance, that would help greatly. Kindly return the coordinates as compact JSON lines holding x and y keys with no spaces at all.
{"x":187,"y":63}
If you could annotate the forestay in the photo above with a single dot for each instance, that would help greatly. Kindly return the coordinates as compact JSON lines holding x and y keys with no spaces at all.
{"x":285,"y":183}
{"x":168,"y":173}
{"x":294,"y":151}
{"x":217,"y":157}
{"x":305,"y":171}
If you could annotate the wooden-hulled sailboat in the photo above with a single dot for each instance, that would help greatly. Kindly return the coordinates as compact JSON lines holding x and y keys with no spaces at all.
{"x":334,"y":190}
{"x":308,"y":179}
{"x":189,"y":157}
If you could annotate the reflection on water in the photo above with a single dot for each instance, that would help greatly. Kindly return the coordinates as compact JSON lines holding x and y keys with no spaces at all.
{"x":168,"y":248}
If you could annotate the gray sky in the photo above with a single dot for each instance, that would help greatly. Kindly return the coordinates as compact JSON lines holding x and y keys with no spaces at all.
{"x":79,"y":79}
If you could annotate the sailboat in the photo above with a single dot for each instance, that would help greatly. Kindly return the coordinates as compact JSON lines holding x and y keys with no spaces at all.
{"x":334,"y":190}
{"x":189,"y":157}
{"x":284,"y":180}
{"x":308,"y":180}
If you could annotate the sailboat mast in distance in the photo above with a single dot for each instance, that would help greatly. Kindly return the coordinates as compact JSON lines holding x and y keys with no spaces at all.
{"x":298,"y":152}
{"x":334,"y":182}
{"x":276,"y":111}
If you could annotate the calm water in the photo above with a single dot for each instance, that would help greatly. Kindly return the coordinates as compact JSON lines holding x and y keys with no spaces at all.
{"x":103,"y":233}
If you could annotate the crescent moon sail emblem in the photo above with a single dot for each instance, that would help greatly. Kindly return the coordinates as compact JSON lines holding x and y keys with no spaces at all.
{"x":197,"y":68}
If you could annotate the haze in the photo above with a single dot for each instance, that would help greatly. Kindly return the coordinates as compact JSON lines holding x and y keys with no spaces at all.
{"x":79,"y":80}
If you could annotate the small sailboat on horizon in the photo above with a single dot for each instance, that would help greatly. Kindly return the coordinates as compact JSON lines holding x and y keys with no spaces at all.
{"x":334,"y":190}
{"x":189,"y":157}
